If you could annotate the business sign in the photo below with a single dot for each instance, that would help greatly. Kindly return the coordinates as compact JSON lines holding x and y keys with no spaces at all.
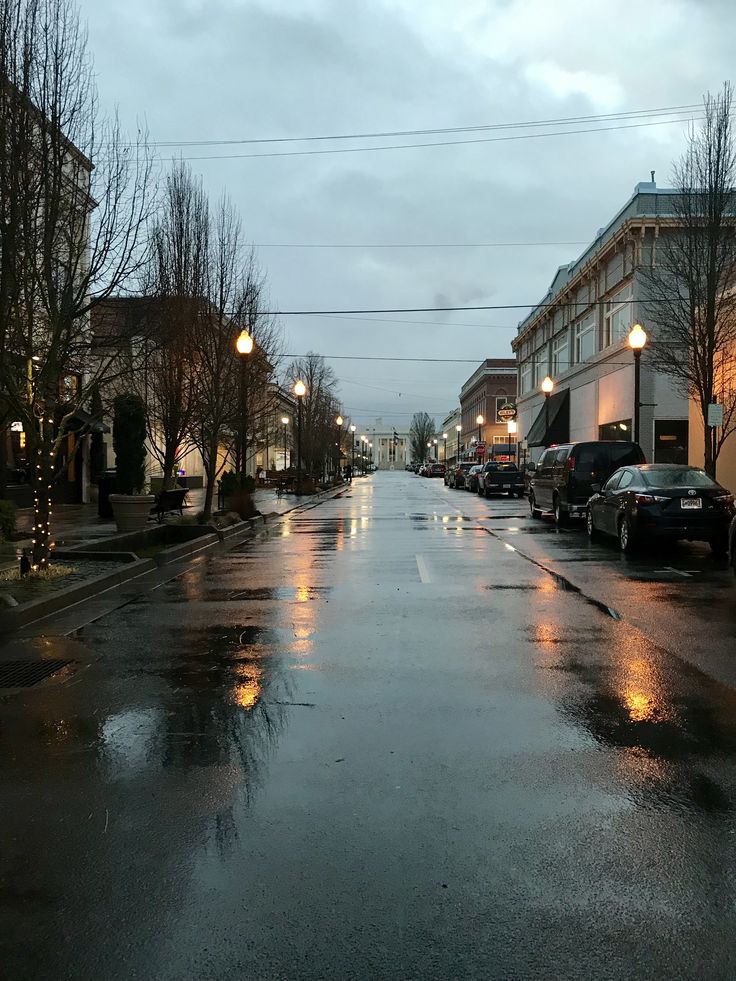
{"x":715,"y":415}
{"x":507,"y":412}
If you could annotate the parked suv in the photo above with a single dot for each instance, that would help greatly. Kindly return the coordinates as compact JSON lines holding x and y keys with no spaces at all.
{"x":562,"y":480}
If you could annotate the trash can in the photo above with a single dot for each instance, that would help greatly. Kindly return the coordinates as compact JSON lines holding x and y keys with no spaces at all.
{"x":107,"y":483}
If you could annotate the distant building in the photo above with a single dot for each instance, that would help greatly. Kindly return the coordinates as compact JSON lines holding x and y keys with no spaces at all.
{"x":578,"y":335}
{"x":449,"y":428}
{"x":491,"y":386}
{"x":391,"y":447}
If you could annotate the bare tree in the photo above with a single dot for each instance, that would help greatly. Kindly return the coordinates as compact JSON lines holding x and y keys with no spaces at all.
{"x":420,"y":433}
{"x":213,"y":350}
{"x":74,"y":202}
{"x":690,"y":289}
{"x":176,"y":283}
{"x":254,"y":410}
{"x":320,"y":406}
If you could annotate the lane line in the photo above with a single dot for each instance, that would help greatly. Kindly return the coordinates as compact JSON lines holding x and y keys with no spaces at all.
{"x":422,"y":567}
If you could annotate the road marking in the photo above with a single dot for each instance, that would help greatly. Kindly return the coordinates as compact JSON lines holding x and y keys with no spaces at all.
{"x":677,"y":572}
{"x":423,"y":571}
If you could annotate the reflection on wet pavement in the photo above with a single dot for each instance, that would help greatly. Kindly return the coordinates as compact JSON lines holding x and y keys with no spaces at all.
{"x":378,"y":742}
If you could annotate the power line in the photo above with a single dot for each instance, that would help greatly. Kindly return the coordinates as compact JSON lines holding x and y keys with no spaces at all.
{"x":484,"y":127}
{"x":407,"y":245}
{"x":415,"y":146}
{"x":423,"y":323}
{"x":498,"y":306}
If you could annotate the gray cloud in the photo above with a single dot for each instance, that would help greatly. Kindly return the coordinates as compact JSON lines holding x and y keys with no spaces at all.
{"x":209,"y":69}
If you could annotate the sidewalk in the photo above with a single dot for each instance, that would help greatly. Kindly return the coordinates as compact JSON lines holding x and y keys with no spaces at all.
{"x":73,"y":524}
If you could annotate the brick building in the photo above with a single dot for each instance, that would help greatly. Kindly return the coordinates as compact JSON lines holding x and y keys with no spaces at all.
{"x":491,"y":385}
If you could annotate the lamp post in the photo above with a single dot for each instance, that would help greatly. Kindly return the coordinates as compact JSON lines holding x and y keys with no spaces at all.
{"x":300,"y":390}
{"x":352,"y":452}
{"x":285,"y":423}
{"x":444,"y":437}
{"x":511,"y":429}
{"x":370,"y":455}
{"x":458,"y":430}
{"x":243,"y":346}
{"x":547,"y":387}
{"x":429,"y":447}
{"x":637,"y":342}
{"x":339,"y":423}
{"x":436,"y":451}
{"x":479,"y":420}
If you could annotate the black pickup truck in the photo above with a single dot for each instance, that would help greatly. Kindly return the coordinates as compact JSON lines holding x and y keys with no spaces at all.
{"x":500,"y":478}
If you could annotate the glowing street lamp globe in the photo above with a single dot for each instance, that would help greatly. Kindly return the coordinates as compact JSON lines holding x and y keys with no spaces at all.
{"x":244,"y":343}
{"x":637,"y":337}
{"x":300,"y":389}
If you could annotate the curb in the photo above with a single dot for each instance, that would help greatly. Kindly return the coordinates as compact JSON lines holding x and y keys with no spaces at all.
{"x":15,"y":617}
{"x":18,"y":616}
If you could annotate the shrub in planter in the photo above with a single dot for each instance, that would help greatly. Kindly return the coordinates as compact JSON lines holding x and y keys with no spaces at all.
{"x":130,"y":506}
{"x":7,"y":520}
{"x":232,"y":483}
{"x":129,"y":443}
{"x":242,"y":503}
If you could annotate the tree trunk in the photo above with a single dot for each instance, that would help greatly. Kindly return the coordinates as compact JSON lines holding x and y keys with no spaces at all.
{"x":168,"y":466}
{"x":210,"y":473}
{"x":42,"y":477}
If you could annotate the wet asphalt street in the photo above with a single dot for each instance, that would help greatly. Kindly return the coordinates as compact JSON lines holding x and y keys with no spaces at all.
{"x":407,"y":733}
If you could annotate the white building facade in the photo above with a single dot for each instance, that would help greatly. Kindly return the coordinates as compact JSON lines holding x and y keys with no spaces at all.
{"x":578,"y":336}
{"x":390,"y":441}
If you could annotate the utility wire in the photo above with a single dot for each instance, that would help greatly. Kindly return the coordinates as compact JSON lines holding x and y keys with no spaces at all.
{"x":484,"y":127}
{"x":407,"y":245}
{"x":415,"y":146}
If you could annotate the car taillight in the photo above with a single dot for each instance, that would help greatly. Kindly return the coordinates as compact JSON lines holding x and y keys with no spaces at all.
{"x":571,"y":463}
{"x":647,"y":500}
{"x":725,"y":500}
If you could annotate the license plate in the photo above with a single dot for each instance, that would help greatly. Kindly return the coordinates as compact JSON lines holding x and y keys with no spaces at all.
{"x":690,"y":503}
{"x":506,"y":487}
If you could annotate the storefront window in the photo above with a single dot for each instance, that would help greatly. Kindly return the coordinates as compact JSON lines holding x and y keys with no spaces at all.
{"x":615,"y":430}
{"x":670,"y":440}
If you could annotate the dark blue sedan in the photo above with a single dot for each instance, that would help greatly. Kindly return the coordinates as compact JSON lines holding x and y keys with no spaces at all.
{"x":661,"y":501}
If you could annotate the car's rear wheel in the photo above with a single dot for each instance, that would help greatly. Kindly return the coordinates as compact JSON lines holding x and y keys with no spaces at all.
{"x":590,"y":525}
{"x":626,"y":540}
{"x":535,"y":512}
{"x":561,"y":516}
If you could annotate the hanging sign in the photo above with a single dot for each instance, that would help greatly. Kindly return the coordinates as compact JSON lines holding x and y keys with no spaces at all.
{"x":507,"y":412}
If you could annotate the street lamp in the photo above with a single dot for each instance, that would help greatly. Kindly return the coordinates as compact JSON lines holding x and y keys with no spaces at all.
{"x":352,"y":452}
{"x":637,"y":342}
{"x":339,"y":423}
{"x":370,"y":455}
{"x":511,"y":430}
{"x":547,"y":387}
{"x":300,"y":390}
{"x":285,"y":423}
{"x":444,"y":437}
{"x":243,"y":346}
{"x":458,"y":430}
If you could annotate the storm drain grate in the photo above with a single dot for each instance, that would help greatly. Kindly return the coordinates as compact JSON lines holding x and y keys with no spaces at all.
{"x":25,"y":674}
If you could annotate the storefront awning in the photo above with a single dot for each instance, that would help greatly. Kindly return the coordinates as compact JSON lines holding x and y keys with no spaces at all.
{"x":552,"y":424}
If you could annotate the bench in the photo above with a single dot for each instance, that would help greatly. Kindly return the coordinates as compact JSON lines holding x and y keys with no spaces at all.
{"x":168,"y":501}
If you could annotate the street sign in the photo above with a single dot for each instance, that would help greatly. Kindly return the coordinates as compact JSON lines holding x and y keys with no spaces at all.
{"x":480,"y":449}
{"x":507,"y":412}
{"x":715,"y":415}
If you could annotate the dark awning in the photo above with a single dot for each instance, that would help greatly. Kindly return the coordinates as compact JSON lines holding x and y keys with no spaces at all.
{"x":552,"y":424}
{"x":81,"y":423}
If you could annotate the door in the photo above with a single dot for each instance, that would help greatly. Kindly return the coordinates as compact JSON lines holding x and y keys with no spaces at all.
{"x":560,"y":475}
{"x":543,"y":480}
{"x":612,"y":500}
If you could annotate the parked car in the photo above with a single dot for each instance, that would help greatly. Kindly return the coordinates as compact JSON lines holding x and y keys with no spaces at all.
{"x":436,"y":470}
{"x":562,"y":480}
{"x":664,"y":501}
{"x":422,"y":471}
{"x":455,"y":476}
{"x":500,"y":478}
{"x":471,"y":477}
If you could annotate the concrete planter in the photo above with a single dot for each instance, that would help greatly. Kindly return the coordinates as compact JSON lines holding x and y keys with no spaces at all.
{"x":131,"y":511}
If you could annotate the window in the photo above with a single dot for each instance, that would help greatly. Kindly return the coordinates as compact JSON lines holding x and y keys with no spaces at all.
{"x":540,"y":366}
{"x":585,"y":339}
{"x":501,"y":400}
{"x":500,"y":439}
{"x":626,"y":478}
{"x":613,"y":483}
{"x":526,"y":376}
{"x":618,"y":316}
{"x":560,"y":355}
{"x":615,"y":430}
{"x":561,"y":456}
{"x":670,"y":440}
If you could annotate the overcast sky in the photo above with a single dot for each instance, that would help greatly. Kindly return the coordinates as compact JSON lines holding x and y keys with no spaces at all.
{"x":265,"y":69}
